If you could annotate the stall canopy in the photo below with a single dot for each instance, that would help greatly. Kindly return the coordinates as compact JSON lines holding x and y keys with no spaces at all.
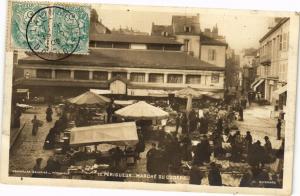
{"x":118,"y":134}
{"x":142,"y":111}
{"x":187,"y":92}
{"x":89,"y":98}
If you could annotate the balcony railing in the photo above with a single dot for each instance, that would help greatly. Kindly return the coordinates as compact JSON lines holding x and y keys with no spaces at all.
{"x":265,"y":60}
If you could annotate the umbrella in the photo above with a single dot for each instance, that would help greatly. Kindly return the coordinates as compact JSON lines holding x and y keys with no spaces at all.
{"x":89,"y":98}
{"x":188,"y":91}
{"x":143,"y":111}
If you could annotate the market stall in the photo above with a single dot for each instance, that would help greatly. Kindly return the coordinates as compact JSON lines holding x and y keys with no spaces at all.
{"x":142,"y":111}
{"x":89,"y":108}
{"x":118,"y":133}
{"x":98,"y":148}
{"x":144,"y":114}
{"x":89,"y":98}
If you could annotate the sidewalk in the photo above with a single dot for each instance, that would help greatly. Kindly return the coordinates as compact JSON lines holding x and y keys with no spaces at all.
{"x":14,"y":134}
{"x":258,"y":121}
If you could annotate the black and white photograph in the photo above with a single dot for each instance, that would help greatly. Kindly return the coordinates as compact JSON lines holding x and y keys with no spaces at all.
{"x":151,"y":96}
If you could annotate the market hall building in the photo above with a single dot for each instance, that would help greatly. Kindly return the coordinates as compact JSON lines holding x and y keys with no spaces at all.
{"x":130,"y":65}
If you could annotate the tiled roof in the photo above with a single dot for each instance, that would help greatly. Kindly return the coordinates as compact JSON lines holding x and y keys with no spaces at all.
{"x":206,"y":40}
{"x":155,"y":59}
{"x":126,"y":38}
{"x":158,"y":29}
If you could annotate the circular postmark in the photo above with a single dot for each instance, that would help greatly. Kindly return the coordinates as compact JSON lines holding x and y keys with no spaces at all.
{"x":53,"y":33}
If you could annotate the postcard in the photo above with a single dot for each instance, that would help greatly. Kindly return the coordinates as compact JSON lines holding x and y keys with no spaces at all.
{"x":153,"y":98}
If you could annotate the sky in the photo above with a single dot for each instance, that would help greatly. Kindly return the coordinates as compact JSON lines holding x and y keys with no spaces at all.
{"x":241,"y":30}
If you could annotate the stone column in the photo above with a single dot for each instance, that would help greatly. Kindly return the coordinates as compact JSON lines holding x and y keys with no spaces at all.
{"x":203,"y":79}
{"x":146,"y":77}
{"x":72,"y":74}
{"x":53,"y":74}
{"x":109,"y":75}
{"x":208,"y":79}
{"x":128,"y":75}
{"x":165,"y":78}
{"x":184,"y":79}
{"x":90,"y":75}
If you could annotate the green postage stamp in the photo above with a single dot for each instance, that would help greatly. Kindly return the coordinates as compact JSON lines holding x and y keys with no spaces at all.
{"x":50,"y":28}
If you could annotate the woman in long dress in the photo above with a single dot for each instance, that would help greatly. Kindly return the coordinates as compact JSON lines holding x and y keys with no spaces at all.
{"x":35,"y":125}
{"x":49,"y":113}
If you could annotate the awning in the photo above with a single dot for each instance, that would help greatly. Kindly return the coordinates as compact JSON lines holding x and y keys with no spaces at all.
{"x":280,"y":91}
{"x":255,"y":82}
{"x":118,"y":134}
{"x":21,"y":90}
{"x":24,"y":106}
{"x":147,"y":92}
{"x":100,"y":91}
{"x":258,"y":83}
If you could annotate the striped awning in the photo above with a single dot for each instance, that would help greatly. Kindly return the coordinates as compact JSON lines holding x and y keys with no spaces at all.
{"x":257,"y":84}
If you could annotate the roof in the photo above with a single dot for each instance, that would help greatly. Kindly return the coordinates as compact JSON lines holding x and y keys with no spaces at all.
{"x":179,"y":22}
{"x":155,"y":59}
{"x":158,"y":29}
{"x":281,"y":22}
{"x":206,"y":40}
{"x":96,"y":26}
{"x":127,"y":38}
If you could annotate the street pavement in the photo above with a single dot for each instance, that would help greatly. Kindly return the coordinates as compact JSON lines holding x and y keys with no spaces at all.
{"x":259,"y":121}
{"x":28,"y":148}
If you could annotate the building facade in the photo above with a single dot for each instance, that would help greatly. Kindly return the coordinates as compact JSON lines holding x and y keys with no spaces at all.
{"x":273,"y":67}
{"x":249,"y":63}
{"x":207,"y":46}
{"x":124,"y":64}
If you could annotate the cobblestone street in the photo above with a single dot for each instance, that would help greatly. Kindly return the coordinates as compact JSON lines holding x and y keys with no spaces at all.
{"x":258,"y":120}
{"x":28,"y":148}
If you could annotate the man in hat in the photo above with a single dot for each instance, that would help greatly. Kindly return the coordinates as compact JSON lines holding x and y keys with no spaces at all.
{"x":268,"y":149}
{"x":278,"y":126}
{"x":248,"y":140}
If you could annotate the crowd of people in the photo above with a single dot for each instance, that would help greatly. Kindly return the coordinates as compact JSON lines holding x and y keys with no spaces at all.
{"x":212,"y":126}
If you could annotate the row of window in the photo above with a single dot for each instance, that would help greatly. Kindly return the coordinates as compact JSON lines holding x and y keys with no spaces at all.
{"x":278,"y":43}
{"x":134,"y":77}
{"x":98,"y":44}
{"x":212,"y":54}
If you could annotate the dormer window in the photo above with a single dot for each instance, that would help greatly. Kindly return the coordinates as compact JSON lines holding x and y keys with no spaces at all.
{"x":187,"y":29}
{"x":164,"y":33}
